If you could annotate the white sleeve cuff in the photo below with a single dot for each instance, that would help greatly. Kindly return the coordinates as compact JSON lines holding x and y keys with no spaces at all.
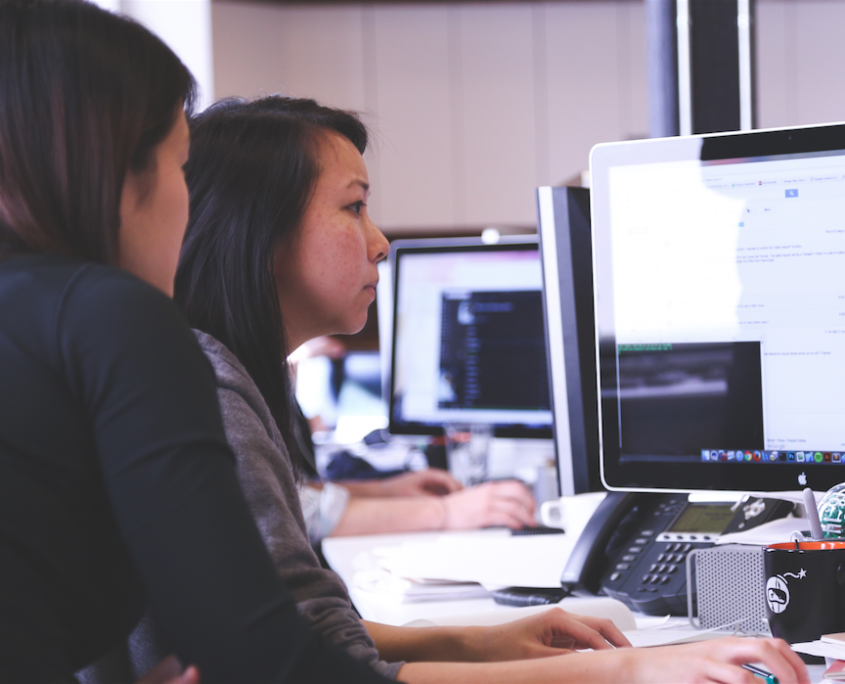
{"x":323,"y":509}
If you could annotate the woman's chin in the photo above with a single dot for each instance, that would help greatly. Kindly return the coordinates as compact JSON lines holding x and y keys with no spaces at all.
{"x":351,"y":327}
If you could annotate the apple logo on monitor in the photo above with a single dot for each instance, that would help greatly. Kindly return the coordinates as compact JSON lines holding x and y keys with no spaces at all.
{"x":802,"y":479}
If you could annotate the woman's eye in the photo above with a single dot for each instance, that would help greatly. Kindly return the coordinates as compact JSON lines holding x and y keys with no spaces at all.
{"x":357,"y":206}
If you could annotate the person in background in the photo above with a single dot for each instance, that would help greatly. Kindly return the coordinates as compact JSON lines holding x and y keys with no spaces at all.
{"x":117,"y":485}
{"x":279,"y":250}
{"x":415,"y":501}
{"x":429,"y":499}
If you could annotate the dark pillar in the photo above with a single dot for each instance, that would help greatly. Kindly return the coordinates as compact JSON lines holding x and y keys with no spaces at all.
{"x":701,"y":54}
{"x":662,"y":64}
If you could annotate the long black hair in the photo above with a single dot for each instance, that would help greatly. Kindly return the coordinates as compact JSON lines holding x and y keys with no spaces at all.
{"x":85,"y":97}
{"x":252,"y":171}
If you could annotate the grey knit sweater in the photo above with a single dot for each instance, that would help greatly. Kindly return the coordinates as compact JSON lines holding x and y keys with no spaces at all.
{"x":267,"y":479}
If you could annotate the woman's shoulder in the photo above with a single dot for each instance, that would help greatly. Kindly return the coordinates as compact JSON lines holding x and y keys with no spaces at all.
{"x":66,"y":287}
{"x":55,"y":270}
{"x":106,"y":305}
{"x":237,"y":391}
{"x":229,"y":370}
{"x":70,"y":301}
{"x":110,"y":285}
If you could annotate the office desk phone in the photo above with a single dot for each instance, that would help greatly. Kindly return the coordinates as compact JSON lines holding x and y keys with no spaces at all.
{"x":634,"y":548}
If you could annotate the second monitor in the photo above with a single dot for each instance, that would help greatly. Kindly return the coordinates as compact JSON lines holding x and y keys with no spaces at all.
{"x":468,"y":337}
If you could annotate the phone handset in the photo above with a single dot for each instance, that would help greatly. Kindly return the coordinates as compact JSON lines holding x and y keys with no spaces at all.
{"x":610,"y":526}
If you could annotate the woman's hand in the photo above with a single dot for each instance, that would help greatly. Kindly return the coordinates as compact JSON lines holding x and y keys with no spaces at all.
{"x":717,"y":660}
{"x":547,"y":634}
{"x":169,"y":671}
{"x":553,"y":632}
{"x":507,"y":503}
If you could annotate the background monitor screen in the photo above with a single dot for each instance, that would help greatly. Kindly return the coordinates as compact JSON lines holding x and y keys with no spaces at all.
{"x":720,"y":305}
{"x":468,"y":337}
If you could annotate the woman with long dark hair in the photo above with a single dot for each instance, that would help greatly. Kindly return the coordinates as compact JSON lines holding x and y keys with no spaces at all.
{"x":280,"y":249}
{"x":117,"y":485}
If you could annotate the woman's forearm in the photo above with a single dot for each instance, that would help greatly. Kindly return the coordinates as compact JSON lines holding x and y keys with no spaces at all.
{"x":451,"y":644}
{"x":365,"y":488}
{"x":577,"y":668}
{"x":719,"y":660}
{"x":507,"y":504}
{"x":381,"y":516}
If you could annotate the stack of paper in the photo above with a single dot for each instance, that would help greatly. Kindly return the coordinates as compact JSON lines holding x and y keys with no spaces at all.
{"x":828,"y":646}
{"x":461,"y":566}
{"x":500,"y":561}
{"x":409,"y":590}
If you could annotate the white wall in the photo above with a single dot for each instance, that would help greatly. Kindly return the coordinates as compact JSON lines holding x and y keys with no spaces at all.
{"x":800,"y":53}
{"x":185,"y":26}
{"x":475,"y":104}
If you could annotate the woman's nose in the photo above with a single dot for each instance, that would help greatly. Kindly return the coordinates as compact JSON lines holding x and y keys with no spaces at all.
{"x":378,"y":244}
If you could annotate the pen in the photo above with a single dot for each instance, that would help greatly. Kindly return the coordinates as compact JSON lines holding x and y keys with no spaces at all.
{"x":763,"y":674}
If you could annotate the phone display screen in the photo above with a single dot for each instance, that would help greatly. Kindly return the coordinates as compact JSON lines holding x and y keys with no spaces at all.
{"x":703,"y":518}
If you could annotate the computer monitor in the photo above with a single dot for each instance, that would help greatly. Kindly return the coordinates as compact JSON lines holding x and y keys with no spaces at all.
{"x":468,"y":337}
{"x":720,"y":308}
{"x":565,"y":244}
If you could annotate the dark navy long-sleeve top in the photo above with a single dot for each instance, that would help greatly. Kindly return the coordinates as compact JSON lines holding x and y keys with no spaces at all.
{"x":117,"y":488}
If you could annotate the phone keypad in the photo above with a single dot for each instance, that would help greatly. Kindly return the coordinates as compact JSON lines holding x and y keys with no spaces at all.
{"x":645,"y":570}
{"x":667,"y":565}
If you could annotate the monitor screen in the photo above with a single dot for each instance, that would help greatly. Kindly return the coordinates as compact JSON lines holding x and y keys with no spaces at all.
{"x":720,"y":310}
{"x":468,"y":337}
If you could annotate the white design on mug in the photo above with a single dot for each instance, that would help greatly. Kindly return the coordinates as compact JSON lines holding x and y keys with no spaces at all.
{"x":800,"y":575}
{"x":777,"y":590}
{"x":777,"y":594}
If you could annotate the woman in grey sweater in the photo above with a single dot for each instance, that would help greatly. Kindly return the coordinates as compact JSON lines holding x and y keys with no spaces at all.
{"x":280,"y":249}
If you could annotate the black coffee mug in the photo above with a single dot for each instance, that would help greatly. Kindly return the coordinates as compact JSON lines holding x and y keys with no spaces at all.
{"x":805,"y":589}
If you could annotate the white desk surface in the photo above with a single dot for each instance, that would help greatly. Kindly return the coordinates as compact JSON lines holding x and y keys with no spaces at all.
{"x":341,"y":554}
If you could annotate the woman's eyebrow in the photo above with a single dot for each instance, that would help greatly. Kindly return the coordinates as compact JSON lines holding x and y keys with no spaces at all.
{"x":357,"y":181}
